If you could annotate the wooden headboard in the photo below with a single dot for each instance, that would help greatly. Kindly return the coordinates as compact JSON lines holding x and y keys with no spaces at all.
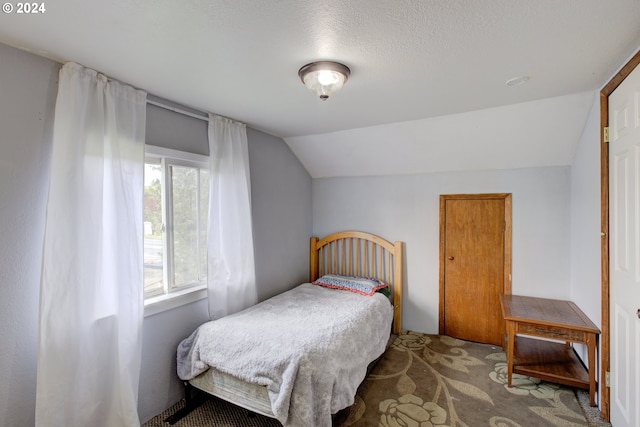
{"x":355,"y":253}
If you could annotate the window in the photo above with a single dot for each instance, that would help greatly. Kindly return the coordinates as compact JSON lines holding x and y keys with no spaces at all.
{"x":176,"y":202}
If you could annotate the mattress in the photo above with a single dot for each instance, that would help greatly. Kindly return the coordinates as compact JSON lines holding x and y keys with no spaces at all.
{"x":250,"y":396}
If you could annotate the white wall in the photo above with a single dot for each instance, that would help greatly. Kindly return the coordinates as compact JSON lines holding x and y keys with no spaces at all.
{"x":585,"y":219}
{"x":537,"y":133}
{"x":406,"y":208}
{"x":586,"y":285}
{"x":28,"y":87}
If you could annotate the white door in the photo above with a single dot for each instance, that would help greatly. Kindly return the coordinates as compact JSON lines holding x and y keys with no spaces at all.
{"x":624,"y":206}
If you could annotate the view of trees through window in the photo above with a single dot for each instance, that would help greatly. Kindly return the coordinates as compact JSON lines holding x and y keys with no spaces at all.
{"x":189,"y":202}
{"x":153,"y":225}
{"x":176,"y":198}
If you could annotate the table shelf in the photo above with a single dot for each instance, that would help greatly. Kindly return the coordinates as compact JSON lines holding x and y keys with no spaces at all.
{"x":549,"y":361}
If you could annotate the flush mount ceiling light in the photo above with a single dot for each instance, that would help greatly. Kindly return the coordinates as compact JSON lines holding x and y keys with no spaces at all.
{"x":324,"y":77}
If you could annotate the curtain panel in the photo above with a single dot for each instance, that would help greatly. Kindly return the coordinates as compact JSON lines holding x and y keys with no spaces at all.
{"x":91,"y":303}
{"x":231,"y":271}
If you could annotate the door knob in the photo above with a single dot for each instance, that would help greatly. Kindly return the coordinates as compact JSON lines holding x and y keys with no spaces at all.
{"x":638,"y":313}
{"x":450,"y":258}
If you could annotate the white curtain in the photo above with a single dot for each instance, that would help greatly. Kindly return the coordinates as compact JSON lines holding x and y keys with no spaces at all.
{"x":91,"y":302}
{"x":231,"y":271}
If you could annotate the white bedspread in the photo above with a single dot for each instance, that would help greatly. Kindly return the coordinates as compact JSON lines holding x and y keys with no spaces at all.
{"x":310,"y":346}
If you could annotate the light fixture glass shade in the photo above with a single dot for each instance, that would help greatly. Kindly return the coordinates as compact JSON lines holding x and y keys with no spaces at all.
{"x":324,"y":77}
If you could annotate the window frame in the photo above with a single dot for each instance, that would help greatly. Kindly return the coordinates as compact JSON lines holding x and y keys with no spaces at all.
{"x":172,"y":297}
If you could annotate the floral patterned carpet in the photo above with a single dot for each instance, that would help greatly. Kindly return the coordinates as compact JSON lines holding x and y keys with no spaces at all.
{"x":432,"y":380}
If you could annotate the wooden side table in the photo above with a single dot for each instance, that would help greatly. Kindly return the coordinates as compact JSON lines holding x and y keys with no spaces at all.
{"x":552,"y":361}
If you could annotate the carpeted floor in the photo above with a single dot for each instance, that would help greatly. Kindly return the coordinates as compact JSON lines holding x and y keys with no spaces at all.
{"x":432,"y":380}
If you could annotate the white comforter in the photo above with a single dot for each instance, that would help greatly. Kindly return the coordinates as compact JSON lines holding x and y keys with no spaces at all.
{"x":309,"y":346}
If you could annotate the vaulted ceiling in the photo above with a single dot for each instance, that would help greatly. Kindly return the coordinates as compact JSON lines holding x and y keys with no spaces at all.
{"x":427,"y":90}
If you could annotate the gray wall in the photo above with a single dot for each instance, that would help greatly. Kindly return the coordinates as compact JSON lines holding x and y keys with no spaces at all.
{"x":28,"y":87}
{"x":168,"y":129}
{"x":281,"y":195}
{"x":407,"y":208}
{"x":159,"y":386}
{"x":281,"y":205}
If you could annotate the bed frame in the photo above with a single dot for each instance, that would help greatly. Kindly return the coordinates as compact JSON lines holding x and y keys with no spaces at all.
{"x":347,"y":253}
{"x":355,"y":253}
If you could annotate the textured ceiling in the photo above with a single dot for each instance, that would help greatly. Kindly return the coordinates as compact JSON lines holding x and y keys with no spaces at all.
{"x":411,"y":60}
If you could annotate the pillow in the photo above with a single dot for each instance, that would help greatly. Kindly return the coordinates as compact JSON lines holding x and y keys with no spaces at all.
{"x":360,"y":285}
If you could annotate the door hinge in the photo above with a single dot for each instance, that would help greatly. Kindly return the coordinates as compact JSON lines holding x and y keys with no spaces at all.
{"x":606,"y":134}
{"x":607,"y":379}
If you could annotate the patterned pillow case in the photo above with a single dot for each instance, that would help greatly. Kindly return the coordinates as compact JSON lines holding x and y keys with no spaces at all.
{"x":360,"y":285}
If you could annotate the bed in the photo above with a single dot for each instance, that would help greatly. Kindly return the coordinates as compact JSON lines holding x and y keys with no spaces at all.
{"x":300,"y":356}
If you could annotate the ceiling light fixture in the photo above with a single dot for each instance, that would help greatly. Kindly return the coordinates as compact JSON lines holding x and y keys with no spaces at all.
{"x":324,"y":77}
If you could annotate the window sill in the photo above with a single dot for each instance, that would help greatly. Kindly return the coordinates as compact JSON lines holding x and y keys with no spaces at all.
{"x":162,"y":303}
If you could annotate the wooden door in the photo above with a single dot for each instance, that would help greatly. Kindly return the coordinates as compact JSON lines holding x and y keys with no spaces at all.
{"x":624,"y":251}
{"x":475,"y":265}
